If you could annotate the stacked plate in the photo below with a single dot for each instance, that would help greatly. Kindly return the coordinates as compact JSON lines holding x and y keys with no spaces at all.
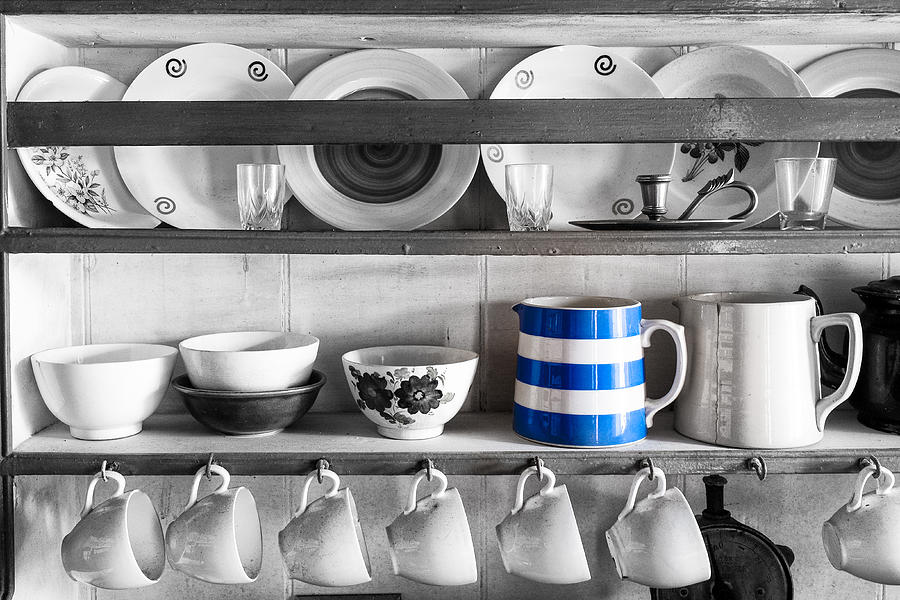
{"x":249,"y":382}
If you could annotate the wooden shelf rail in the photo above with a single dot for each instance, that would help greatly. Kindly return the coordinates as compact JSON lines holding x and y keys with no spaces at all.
{"x":473,"y":444}
{"x":472,"y":243}
{"x":451,"y":121}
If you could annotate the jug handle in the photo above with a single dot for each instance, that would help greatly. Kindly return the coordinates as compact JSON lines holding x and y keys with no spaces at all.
{"x":648,"y":326}
{"x":834,"y":364}
{"x":854,"y":360}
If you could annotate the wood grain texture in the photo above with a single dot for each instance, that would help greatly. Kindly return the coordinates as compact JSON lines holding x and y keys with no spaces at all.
{"x":452,"y":121}
{"x":468,"y":30}
{"x":451,"y":7}
{"x":473,"y":444}
{"x":431,"y":243}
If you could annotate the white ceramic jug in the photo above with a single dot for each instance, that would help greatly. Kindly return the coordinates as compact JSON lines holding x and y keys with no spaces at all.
{"x":753,"y":369}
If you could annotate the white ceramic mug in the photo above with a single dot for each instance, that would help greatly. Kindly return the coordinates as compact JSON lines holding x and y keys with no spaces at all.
{"x":323,"y":544}
{"x":863,"y":536}
{"x":217,"y":538}
{"x":656,"y":541}
{"x":539,"y":538}
{"x":118,"y":544}
{"x":753,"y":369}
{"x":431,"y":542}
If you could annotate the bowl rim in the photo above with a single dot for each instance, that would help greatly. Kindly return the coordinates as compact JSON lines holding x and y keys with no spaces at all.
{"x":182,"y":383}
{"x":307,"y":339}
{"x":469,"y":356}
{"x":47,"y":356}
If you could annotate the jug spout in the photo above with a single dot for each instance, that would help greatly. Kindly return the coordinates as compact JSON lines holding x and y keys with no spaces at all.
{"x":517,"y":308}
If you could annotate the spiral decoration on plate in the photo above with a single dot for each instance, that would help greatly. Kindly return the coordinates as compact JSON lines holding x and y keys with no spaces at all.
{"x":257,"y":71}
{"x":604,"y":65}
{"x":866,"y":170}
{"x":524,"y":79}
{"x":623,"y":206}
{"x":165,"y":206}
{"x":175,"y":67}
{"x":495,"y":153}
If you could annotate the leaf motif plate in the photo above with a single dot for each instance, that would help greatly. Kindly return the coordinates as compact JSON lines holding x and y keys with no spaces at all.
{"x":730,"y":72}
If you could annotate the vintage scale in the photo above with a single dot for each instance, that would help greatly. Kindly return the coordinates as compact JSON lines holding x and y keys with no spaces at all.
{"x":746,"y":565}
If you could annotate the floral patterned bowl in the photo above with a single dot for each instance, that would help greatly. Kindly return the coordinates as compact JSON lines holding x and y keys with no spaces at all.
{"x":410,"y":392}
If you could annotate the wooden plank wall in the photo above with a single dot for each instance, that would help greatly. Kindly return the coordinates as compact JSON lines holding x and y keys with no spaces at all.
{"x":352,"y":301}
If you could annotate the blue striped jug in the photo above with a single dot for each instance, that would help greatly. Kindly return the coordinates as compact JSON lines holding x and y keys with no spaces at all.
{"x":580,"y":371}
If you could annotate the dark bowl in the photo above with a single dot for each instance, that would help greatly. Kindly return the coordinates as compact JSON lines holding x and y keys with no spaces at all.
{"x":249,"y":413}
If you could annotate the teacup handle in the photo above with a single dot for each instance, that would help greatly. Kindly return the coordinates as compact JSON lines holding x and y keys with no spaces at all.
{"x":89,"y":498}
{"x":314,"y":476}
{"x":648,"y":326}
{"x":636,"y":484}
{"x":413,"y":490}
{"x":884,"y":485}
{"x":218,"y":470}
{"x":520,"y":488}
{"x":854,"y":360}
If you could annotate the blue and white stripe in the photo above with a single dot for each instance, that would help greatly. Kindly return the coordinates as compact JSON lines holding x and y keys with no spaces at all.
{"x":586,"y":390}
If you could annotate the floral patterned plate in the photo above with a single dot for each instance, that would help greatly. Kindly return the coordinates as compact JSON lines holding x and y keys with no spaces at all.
{"x":195,"y":187}
{"x":82,"y":182}
{"x":730,"y":72}
{"x":590,"y":181}
{"x":410,"y":392}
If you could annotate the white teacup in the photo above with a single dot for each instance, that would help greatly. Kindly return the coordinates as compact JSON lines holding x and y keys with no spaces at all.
{"x":118,"y":544}
{"x":217,"y":538}
{"x":657,"y":542}
{"x":539,"y":538}
{"x":863,"y":537}
{"x":431,"y":542}
{"x":323,"y":544}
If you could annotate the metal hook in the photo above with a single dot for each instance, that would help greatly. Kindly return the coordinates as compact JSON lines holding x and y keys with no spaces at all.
{"x":103,"y":471}
{"x":538,"y":462}
{"x":647,"y":463}
{"x":871,"y":461}
{"x":758,"y":464}
{"x":321,"y":465}
{"x":209,"y":465}
{"x":428,"y":465}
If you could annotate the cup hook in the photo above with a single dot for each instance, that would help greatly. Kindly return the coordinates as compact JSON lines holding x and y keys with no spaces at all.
{"x":870,"y":461}
{"x":428,"y":465}
{"x":647,"y":463}
{"x":104,"y":468}
{"x":538,"y":463}
{"x":758,"y":465}
{"x":209,"y":464}
{"x":321,"y":465}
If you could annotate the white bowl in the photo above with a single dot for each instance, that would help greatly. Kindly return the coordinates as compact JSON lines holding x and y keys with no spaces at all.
{"x":249,"y":361}
{"x":104,"y":391}
{"x":410,"y":392}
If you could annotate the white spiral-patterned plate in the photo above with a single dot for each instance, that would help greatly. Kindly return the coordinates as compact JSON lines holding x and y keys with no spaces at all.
{"x":195,"y":187}
{"x":590,"y":181}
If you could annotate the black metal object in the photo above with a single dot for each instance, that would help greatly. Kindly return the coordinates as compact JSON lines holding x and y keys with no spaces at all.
{"x":468,"y":243}
{"x":746,"y":565}
{"x":664,"y":120}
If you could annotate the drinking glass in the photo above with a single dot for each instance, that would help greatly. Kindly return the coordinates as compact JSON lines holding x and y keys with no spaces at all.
{"x":804,"y":188}
{"x":529,"y":191}
{"x":260,"y":195}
